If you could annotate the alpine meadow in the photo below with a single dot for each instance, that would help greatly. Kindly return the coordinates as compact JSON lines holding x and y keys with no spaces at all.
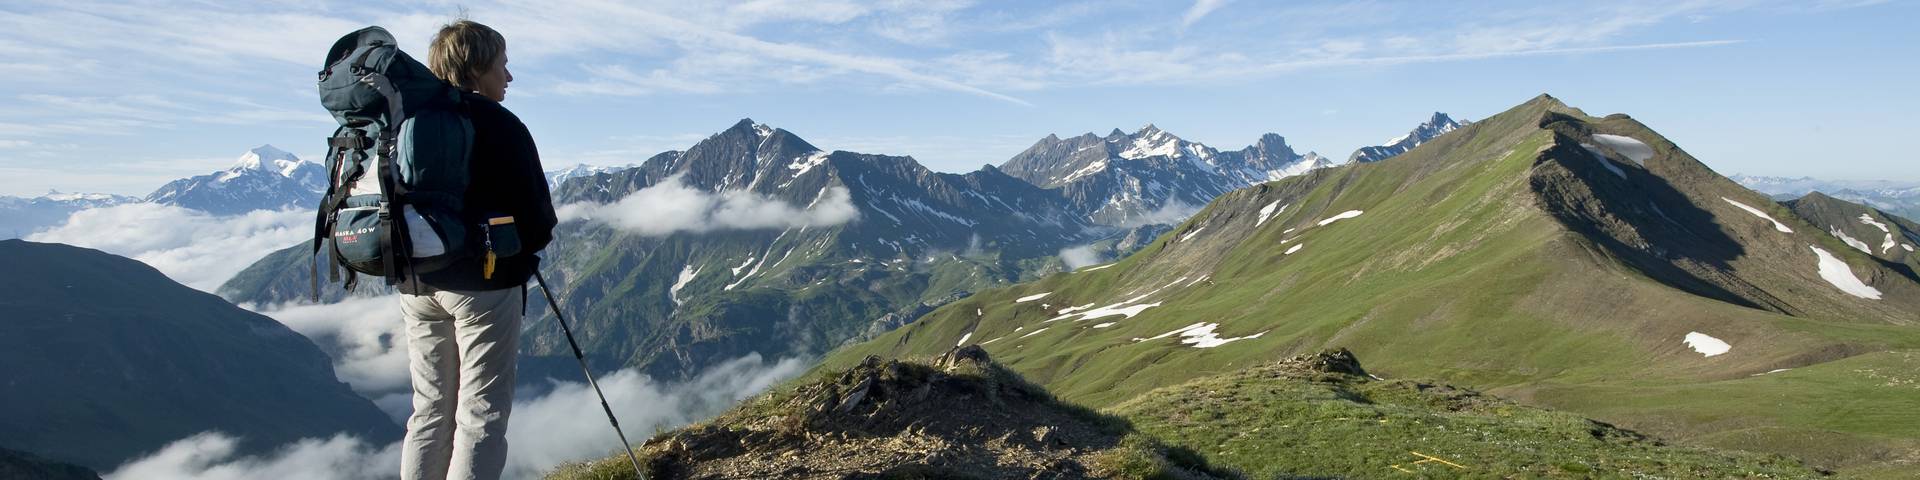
{"x":959,"y":239}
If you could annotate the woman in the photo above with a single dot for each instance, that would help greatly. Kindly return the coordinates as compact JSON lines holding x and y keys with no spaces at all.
{"x":463,"y":322}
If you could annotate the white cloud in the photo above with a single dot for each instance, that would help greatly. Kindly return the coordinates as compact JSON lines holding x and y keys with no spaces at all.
{"x":210,"y":456}
{"x":918,"y":22}
{"x":1081,"y":256}
{"x":364,"y":336}
{"x":197,"y":249}
{"x":1199,"y":10}
{"x":1172,"y":212}
{"x":671,"y":206}
{"x":564,"y":425}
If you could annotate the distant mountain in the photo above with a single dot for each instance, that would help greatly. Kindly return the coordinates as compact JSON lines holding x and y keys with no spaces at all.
{"x":557,"y":177}
{"x":1871,"y":231}
{"x":1434,"y":127}
{"x":677,"y":302}
{"x":1150,"y":176}
{"x":22,"y":216}
{"x":265,"y":178}
{"x":1898,"y":198}
{"x":1577,"y":262}
{"x":24,"y":466}
{"x":108,"y":359}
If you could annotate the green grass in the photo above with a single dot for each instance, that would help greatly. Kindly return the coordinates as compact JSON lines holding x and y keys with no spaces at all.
{"x":1270,"y":423}
{"x":1857,"y":411}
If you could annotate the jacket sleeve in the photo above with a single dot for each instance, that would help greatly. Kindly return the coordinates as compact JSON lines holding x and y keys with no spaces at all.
{"x":536,"y":219}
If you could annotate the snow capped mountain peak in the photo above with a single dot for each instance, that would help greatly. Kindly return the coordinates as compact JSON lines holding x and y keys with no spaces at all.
{"x":265,"y":158}
{"x":557,"y":177}
{"x":1435,"y":126}
{"x":263,"y":178}
{"x":1151,"y":141}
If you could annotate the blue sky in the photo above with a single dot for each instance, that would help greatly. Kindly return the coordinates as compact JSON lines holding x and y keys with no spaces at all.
{"x":120,"y":97}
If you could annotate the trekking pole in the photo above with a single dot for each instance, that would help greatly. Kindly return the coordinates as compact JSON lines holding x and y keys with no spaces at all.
{"x":555,"y":306}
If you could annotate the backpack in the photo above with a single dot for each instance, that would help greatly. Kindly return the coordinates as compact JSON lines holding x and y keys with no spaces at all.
{"x":397,"y":165}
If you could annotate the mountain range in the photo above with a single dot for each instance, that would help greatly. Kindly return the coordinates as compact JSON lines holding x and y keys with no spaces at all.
{"x":22,"y":216}
{"x":1898,"y":198}
{"x":676,"y":301}
{"x":1566,"y":260}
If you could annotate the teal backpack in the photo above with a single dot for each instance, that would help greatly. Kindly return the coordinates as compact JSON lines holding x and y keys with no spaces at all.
{"x":397,"y":166}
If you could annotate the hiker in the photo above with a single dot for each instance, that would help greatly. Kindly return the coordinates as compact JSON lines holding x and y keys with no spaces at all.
{"x":463,"y":321}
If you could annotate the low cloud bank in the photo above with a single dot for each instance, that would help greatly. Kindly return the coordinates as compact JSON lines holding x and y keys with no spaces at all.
{"x":561,"y":426}
{"x":1081,"y":256}
{"x":672,"y":206}
{"x":195,"y":248}
{"x":365,"y":337}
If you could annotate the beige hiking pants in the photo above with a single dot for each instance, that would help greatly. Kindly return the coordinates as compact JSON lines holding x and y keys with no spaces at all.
{"x":462,"y":349}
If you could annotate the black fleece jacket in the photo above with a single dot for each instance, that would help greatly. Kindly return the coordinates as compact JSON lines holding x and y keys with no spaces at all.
{"x":504,"y":178}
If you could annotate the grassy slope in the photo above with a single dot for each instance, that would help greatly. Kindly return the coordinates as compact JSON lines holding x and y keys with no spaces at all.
{"x":1330,"y":424}
{"x":1451,"y":274}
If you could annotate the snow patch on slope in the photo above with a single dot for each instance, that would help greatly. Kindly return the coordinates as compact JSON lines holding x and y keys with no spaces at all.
{"x":1604,"y":162}
{"x":1190,"y":235}
{"x":686,"y":275}
{"x":1342,"y":216}
{"x":1851,"y":242}
{"x":1633,"y":149}
{"x":1033,"y":297}
{"x":1867,"y":220}
{"x":1706,"y":344}
{"x":1756,"y":212}
{"x":1836,"y":272}
{"x":1268,"y":211}
{"x":1202,"y":335}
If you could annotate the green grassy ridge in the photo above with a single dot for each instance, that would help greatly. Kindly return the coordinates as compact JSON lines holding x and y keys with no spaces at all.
{"x":1453,"y":272}
{"x":1857,"y":411}
{"x":1275,"y":421}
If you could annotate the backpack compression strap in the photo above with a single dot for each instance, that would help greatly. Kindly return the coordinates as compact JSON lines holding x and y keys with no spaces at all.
{"x":395,"y":235}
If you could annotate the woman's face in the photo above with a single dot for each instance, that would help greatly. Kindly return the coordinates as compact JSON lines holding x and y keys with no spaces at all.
{"x":493,"y":84}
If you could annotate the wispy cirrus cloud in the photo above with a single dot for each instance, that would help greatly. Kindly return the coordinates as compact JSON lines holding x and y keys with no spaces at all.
{"x":1199,"y":10}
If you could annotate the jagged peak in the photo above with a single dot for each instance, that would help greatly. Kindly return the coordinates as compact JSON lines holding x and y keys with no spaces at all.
{"x":1271,"y":140}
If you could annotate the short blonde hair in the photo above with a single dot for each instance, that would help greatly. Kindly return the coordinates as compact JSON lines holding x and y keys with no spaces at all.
{"x":463,"y":51}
